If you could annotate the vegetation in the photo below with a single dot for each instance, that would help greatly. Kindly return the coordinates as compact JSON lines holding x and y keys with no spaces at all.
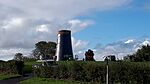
{"x":29,"y":59}
{"x":28,"y":66}
{"x":110,"y":58}
{"x":44,"y":49}
{"x":18,"y":57}
{"x":141,"y":55}
{"x":7,"y":76}
{"x":119,"y":72}
{"x":89,"y":55}
{"x":134,"y":71}
{"x":11,"y":67}
{"x":49,"y":81}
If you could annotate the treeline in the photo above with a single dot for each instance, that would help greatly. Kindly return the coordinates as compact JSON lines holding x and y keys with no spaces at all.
{"x":119,"y":72}
{"x":11,"y":67}
{"x":142,"y":55}
{"x":20,"y":57}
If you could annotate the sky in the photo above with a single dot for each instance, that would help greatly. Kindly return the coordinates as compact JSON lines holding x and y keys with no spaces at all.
{"x":117,"y":27}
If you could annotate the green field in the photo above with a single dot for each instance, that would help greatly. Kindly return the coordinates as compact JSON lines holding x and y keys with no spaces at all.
{"x":49,"y":81}
{"x":7,"y":76}
{"x":28,"y":66}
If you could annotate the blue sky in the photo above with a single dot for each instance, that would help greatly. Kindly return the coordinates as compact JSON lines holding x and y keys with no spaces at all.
{"x":115,"y":25}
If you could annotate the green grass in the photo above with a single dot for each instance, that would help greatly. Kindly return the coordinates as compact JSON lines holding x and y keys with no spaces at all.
{"x":7,"y":76}
{"x":49,"y":81}
{"x":30,"y":62}
{"x":28,"y":66}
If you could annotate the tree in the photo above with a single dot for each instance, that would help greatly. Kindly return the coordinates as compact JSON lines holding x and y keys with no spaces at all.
{"x":89,"y":55}
{"x":110,"y":58}
{"x":28,"y":59}
{"x":44,"y":49}
{"x":141,"y":55}
{"x":18,"y":57}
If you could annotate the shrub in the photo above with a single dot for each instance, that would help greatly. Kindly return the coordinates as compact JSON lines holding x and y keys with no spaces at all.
{"x":119,"y":72}
{"x":11,"y":66}
{"x":43,"y":72}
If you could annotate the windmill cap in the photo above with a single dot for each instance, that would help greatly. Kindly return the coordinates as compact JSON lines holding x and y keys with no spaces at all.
{"x":64,"y":32}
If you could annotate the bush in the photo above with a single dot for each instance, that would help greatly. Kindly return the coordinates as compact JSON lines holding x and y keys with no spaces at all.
{"x":43,"y":71}
{"x":11,"y":66}
{"x":119,"y":72}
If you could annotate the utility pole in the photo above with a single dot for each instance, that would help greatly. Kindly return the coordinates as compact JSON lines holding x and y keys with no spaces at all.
{"x":107,"y":78}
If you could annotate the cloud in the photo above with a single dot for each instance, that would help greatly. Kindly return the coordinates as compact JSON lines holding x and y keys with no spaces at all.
{"x":129,"y":41}
{"x":23,"y":33}
{"x":42,"y":28}
{"x":20,"y":33}
{"x":120,"y":48}
{"x":58,"y":9}
{"x":77,"y":25}
{"x":79,"y":45}
{"x":7,"y":54}
{"x":25,"y":22}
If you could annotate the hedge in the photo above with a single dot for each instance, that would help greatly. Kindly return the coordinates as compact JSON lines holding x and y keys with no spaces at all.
{"x":119,"y":72}
{"x":11,"y":67}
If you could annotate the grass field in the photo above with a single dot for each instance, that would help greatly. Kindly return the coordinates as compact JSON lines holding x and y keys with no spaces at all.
{"x":28,"y":66}
{"x":49,"y":81}
{"x":7,"y":76}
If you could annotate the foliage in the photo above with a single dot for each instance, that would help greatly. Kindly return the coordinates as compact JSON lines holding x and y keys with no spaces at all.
{"x":18,"y":57}
{"x":49,"y":81}
{"x":110,"y":58}
{"x":44,"y":49}
{"x":11,"y":66}
{"x":29,"y":59}
{"x":141,"y":55}
{"x":28,"y":66}
{"x":89,"y":55}
{"x":130,"y":72}
{"x":119,"y":72}
{"x":78,"y":71}
{"x":8,"y":76}
{"x":42,"y":72}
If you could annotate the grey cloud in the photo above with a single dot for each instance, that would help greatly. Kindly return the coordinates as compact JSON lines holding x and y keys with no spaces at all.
{"x":8,"y":54}
{"x":52,"y":13}
{"x":61,"y":9}
{"x":19,"y":19}
{"x":23,"y":35}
